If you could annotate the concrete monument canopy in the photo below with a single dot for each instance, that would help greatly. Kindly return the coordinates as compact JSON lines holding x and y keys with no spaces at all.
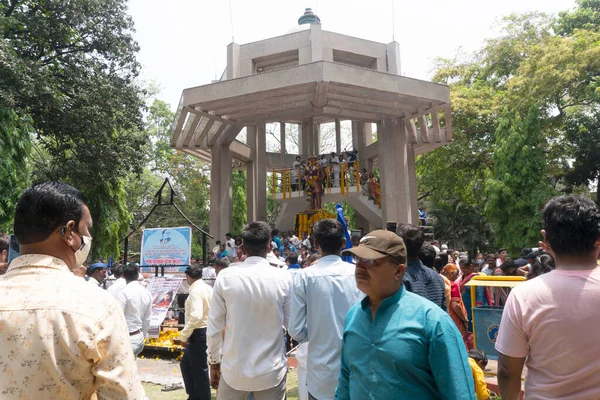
{"x":321,"y":90}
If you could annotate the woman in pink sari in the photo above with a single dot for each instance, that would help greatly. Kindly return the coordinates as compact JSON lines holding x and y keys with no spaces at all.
{"x":455,"y":305}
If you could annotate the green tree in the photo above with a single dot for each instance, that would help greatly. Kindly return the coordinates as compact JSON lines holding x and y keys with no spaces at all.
{"x":516,"y":190}
{"x":71,"y":66}
{"x":14,"y":172}
{"x":462,"y":226}
{"x":239,"y":212}
{"x":527,"y":65}
{"x":585,"y":16}
{"x":188,"y":175}
{"x":583,"y":133}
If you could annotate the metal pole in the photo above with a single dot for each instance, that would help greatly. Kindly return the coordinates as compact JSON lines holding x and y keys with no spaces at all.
{"x":126,"y":251}
{"x":204,"y":249}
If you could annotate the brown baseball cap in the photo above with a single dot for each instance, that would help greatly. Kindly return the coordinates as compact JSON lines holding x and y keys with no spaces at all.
{"x":378,"y":244}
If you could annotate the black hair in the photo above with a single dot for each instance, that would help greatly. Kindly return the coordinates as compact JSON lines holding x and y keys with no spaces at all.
{"x":438,"y":263}
{"x":194,"y":271}
{"x":478,"y":355}
{"x":542,"y":265}
{"x":228,"y":234}
{"x":218,"y":242}
{"x":525,"y":252}
{"x":222,"y":262}
{"x":572,"y":225}
{"x":532,"y":256}
{"x":444,"y":257}
{"x":501,"y":250}
{"x":427,"y":255}
{"x":45,"y":207}
{"x":117,"y":271}
{"x":256,"y":238}
{"x":292,"y":258}
{"x":413,"y":237}
{"x":131,"y":272}
{"x":275,"y":232}
{"x":508,"y":265}
{"x":4,"y":242}
{"x":329,"y":235}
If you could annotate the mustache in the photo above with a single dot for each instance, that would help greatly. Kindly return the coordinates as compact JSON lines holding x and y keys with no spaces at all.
{"x":361,"y":275}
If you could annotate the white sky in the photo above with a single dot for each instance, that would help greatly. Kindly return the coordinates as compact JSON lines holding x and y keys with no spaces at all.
{"x":183,"y":42}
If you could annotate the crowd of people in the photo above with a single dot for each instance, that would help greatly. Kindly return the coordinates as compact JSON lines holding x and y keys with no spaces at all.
{"x":394,"y":323}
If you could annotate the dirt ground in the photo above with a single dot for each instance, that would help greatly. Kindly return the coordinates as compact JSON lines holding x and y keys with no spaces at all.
{"x":158,"y":374}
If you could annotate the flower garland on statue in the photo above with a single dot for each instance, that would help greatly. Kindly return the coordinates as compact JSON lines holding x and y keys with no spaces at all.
{"x":307,"y":219}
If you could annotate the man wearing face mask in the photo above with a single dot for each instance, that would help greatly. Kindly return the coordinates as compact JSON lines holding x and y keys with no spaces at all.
{"x":58,"y":341}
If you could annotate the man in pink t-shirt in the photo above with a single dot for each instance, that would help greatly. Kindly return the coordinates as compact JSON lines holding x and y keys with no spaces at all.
{"x":551,"y":322}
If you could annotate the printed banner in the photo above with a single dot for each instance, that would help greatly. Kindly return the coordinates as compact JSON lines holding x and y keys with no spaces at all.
{"x":166,"y":246}
{"x":163,"y":290}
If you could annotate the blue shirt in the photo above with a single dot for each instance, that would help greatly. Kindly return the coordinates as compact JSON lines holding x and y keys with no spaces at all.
{"x":278,"y":243}
{"x":412,"y":351}
{"x":425,"y":282}
{"x":322,"y":294}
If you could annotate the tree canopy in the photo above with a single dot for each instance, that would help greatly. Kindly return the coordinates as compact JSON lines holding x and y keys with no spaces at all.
{"x":550,"y":63}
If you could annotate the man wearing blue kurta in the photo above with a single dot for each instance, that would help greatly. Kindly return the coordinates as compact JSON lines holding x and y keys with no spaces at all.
{"x":396,"y":344}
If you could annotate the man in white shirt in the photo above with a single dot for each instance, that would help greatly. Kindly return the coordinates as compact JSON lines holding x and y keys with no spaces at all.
{"x":335,"y":166}
{"x":295,"y":240}
{"x":136,"y":303}
{"x":194,"y":363}
{"x":253,"y":297}
{"x":217,"y":248}
{"x":306,"y":241}
{"x":119,"y":283}
{"x":97,"y":274}
{"x":321,"y":298}
{"x":230,"y":244}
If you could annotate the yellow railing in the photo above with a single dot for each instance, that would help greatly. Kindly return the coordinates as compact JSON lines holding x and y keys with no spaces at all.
{"x":290,"y":182}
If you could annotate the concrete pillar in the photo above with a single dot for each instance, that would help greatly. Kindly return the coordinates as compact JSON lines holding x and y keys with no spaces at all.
{"x":251,"y":174}
{"x":316,"y":42}
{"x":338,"y":136}
{"x":261,"y":173}
{"x":316,"y":139}
{"x":393,"y":58}
{"x":233,"y":61}
{"x":308,"y":138}
{"x":359,"y":142}
{"x":282,"y":143}
{"x":368,"y":133}
{"x":396,"y":167}
{"x":220,"y":190}
{"x":362,"y":222}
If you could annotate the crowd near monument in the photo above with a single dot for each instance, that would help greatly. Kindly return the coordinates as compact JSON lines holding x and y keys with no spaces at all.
{"x":376,"y":308}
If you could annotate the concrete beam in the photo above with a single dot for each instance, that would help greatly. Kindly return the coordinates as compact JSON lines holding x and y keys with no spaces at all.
{"x":424,"y":129}
{"x":242,"y":152}
{"x":435,"y":122}
{"x":421,"y":91}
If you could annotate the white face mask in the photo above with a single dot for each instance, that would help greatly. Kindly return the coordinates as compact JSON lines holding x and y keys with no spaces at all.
{"x":82,"y":254}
